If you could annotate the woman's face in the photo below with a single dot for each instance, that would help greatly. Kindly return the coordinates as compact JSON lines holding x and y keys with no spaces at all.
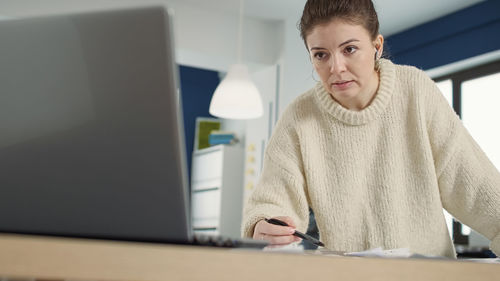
{"x":343,"y":55}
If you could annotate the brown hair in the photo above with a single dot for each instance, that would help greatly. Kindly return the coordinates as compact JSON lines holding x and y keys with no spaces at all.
{"x":359,"y":12}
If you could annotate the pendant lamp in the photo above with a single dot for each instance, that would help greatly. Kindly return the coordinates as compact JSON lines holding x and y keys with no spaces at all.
{"x":237,"y":97}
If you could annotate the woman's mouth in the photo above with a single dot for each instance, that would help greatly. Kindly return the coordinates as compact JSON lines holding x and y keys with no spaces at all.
{"x":342,"y":85}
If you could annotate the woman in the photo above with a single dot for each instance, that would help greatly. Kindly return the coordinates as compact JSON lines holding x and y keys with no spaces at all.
{"x":374,"y":149}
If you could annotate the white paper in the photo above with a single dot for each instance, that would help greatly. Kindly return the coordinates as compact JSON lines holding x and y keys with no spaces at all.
{"x":379,"y":252}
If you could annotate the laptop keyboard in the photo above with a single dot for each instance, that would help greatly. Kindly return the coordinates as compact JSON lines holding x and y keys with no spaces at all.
{"x":227,"y":242}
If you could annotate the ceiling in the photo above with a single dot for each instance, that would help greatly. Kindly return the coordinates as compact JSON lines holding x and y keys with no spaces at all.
{"x":394,"y":15}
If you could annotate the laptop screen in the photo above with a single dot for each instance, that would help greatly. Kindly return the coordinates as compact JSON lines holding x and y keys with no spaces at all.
{"x":91,"y":141}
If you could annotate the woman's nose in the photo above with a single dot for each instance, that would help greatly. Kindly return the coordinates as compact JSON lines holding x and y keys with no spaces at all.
{"x":337,"y":65}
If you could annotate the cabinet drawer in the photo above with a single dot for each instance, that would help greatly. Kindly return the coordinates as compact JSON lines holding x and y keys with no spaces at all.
{"x":206,"y":208}
{"x":207,"y":166}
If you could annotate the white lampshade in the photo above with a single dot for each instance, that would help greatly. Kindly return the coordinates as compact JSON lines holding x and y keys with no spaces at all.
{"x":236,"y":97}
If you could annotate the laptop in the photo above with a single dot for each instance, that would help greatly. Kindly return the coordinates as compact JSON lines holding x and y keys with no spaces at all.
{"x":91,"y":130}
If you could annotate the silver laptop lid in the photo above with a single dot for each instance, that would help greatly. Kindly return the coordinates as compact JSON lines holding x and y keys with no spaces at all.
{"x":91,"y":134}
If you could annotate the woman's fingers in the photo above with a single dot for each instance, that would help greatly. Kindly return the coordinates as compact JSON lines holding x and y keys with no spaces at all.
{"x":277,"y":245}
{"x":273,"y":229}
{"x":281,"y":240}
{"x":276,"y":234}
{"x":287,"y":220}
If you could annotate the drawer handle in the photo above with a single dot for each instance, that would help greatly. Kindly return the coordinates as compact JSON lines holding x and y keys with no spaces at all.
{"x":204,"y":228}
{"x":205,"y":189}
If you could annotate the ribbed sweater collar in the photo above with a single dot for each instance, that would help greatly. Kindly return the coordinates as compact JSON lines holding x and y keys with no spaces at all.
{"x":385,"y":89}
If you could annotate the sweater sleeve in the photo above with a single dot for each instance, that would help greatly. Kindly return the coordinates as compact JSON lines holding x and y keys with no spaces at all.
{"x":469,"y":183}
{"x":281,"y":190}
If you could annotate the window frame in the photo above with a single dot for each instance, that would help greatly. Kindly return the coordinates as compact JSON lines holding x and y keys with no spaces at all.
{"x":457,"y":78}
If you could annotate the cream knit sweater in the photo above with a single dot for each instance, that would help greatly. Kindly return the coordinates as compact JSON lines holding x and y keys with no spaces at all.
{"x":379,"y":177}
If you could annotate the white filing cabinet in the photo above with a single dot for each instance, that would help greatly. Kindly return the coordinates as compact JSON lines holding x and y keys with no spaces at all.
{"x":217,"y":190}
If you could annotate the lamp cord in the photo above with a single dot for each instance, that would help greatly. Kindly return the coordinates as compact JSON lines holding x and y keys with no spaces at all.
{"x":240,"y":34}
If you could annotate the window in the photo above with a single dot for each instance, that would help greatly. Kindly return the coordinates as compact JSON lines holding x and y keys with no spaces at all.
{"x":480,"y":101}
{"x":445,"y":87}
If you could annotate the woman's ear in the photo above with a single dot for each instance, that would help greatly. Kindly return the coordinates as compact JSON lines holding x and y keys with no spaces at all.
{"x":379,"y":46}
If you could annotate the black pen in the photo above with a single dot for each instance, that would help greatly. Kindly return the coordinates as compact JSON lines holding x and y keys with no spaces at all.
{"x":297,"y":233}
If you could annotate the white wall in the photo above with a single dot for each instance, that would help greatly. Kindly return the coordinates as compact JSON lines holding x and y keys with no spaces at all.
{"x":296,"y":68}
{"x":205,"y":37}
{"x":208,"y":38}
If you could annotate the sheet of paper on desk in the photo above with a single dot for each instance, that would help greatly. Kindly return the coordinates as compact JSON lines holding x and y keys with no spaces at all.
{"x":290,"y":248}
{"x":376,"y":252}
{"x":486,"y":260}
{"x":379,"y":252}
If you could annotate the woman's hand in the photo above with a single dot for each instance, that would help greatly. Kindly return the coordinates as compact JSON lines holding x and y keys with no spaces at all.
{"x":276,"y":234}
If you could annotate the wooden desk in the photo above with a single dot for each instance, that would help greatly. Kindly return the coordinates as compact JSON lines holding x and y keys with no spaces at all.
{"x":80,"y":259}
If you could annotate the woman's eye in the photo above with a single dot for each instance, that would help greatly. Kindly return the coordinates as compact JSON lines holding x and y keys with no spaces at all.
{"x":350,"y":49}
{"x":320,"y":55}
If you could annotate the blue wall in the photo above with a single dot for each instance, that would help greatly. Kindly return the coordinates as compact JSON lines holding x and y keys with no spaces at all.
{"x":197,"y":88}
{"x":466,"y":33}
